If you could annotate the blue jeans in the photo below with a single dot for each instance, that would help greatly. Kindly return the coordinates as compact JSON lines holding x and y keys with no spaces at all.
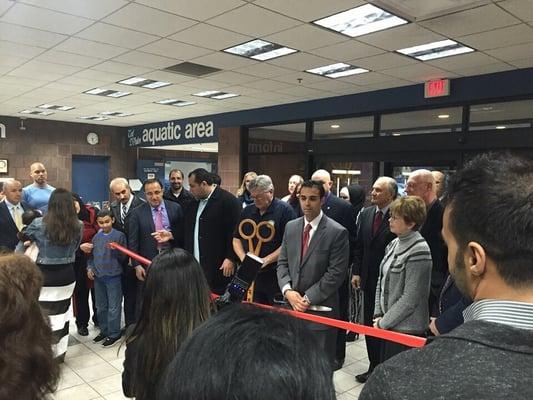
{"x":108,"y":293}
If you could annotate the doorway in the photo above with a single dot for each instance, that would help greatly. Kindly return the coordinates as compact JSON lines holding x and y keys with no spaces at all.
{"x":90,"y":179}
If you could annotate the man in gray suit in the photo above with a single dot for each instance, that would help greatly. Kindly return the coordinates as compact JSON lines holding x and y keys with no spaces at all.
{"x":313,"y":263}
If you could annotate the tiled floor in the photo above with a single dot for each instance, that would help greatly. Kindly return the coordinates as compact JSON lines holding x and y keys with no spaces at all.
{"x":91,"y":371}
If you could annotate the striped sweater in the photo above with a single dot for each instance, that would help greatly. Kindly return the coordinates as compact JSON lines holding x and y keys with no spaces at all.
{"x":403,"y":285}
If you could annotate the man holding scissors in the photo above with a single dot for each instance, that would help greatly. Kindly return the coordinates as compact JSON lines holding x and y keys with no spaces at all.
{"x":313,"y":263}
{"x":275,"y":214}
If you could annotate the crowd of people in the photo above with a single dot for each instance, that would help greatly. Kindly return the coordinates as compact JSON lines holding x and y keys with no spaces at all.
{"x":457,"y":271}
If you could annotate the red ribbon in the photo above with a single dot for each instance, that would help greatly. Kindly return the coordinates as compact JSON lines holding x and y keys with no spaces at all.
{"x":397,"y":337}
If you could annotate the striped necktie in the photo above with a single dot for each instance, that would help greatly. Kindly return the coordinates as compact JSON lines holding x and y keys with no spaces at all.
{"x":123,"y":213}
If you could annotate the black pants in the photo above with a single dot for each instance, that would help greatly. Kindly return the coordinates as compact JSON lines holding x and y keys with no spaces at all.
{"x":129,"y":291}
{"x":344,"y":297}
{"x":390,"y":349}
{"x":373,"y":345}
{"x":81,"y":292}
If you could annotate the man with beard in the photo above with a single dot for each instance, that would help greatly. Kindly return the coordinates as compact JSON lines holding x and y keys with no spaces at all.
{"x":176,"y":192}
{"x":488,"y":228}
{"x":37,"y":194}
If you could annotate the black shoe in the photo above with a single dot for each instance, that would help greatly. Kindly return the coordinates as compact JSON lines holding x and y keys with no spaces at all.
{"x":110,"y":341}
{"x":83,"y":331}
{"x":99,"y":338}
{"x":337,"y":364}
{"x":351,"y":337}
{"x":362,"y":378}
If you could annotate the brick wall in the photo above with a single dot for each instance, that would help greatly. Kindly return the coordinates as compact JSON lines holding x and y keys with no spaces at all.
{"x":229,"y":160}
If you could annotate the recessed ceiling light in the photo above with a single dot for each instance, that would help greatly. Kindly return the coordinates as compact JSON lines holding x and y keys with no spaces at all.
{"x":260,"y":50}
{"x":175,"y":102}
{"x":143,"y":82}
{"x":443,"y":116}
{"x":361,"y":20}
{"x":36,"y":112}
{"x":94,"y":117}
{"x":55,"y":107}
{"x":396,"y":134}
{"x":431,"y":51}
{"x":107,"y":92}
{"x":337,"y":70}
{"x":501,"y":127}
{"x":116,"y":114}
{"x":335,"y":126}
{"x":215,"y":94}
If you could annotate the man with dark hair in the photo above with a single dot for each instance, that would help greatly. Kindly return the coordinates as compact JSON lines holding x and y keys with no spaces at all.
{"x":209,"y":223}
{"x":274,"y":213}
{"x":176,"y":192}
{"x":373,"y":236}
{"x":488,"y":227}
{"x":313,"y":263}
{"x":248,"y":354}
{"x":11,"y":210}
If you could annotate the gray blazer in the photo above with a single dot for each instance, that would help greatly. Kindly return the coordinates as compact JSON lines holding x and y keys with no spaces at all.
{"x":324,"y":267}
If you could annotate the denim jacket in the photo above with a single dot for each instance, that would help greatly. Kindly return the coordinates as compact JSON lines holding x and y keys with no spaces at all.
{"x":51,"y":254}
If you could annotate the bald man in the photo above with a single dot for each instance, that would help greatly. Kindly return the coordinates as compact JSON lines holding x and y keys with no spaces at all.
{"x":422,"y":183}
{"x":11,"y":210}
{"x":341,"y":212}
{"x":37,"y":194}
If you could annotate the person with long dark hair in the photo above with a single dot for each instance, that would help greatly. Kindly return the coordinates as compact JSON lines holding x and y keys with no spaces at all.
{"x":176,"y":300}
{"x":57,"y":235}
{"x":28,"y":370}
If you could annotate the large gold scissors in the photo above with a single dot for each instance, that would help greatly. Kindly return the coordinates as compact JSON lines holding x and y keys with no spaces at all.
{"x":263,"y":232}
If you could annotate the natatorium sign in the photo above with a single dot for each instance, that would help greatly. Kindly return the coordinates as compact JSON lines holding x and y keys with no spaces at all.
{"x":172,"y":133}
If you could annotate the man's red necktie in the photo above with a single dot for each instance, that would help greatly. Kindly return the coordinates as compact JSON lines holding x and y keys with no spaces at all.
{"x":305,"y":240}
{"x":378,"y":218}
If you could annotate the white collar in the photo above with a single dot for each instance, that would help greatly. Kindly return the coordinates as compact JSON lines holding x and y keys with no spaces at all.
{"x":315,"y":222}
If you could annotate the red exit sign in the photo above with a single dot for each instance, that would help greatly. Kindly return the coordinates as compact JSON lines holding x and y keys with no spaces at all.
{"x":437,"y":88}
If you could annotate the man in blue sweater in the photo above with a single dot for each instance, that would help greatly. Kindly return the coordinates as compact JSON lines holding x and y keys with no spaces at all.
{"x":105,"y":268}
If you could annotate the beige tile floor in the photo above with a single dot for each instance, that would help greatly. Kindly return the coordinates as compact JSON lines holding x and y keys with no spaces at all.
{"x":91,"y":371}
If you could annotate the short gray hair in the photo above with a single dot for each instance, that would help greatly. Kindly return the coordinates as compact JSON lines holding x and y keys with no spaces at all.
{"x":120,"y":180}
{"x":392,"y":186}
{"x":261,"y":182}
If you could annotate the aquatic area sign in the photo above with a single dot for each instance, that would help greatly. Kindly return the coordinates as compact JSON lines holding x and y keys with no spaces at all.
{"x":173,"y":133}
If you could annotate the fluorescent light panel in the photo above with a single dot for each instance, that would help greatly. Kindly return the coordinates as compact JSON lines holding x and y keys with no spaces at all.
{"x":94,"y":117}
{"x":361,"y":20}
{"x":215,"y":94}
{"x":36,"y":112}
{"x":143,"y":82}
{"x":260,"y":50}
{"x":337,"y":70}
{"x":55,"y":107}
{"x":107,"y":92}
{"x":116,"y":114}
{"x":175,"y":102}
{"x":431,"y":51}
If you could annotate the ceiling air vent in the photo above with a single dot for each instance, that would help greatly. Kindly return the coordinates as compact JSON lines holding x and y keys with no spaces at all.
{"x":192,"y":69}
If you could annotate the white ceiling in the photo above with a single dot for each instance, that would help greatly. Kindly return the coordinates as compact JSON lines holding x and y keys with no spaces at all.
{"x":53,"y":50}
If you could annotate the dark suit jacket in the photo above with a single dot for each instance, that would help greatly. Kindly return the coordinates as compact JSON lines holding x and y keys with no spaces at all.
{"x":369,"y":248}
{"x":116,"y":207}
{"x":452,"y":303}
{"x":184,"y":200}
{"x":141,"y":226}
{"x":322,"y":270}
{"x":341,"y":211}
{"x":431,"y":231}
{"x":8,"y":230}
{"x":215,"y":232}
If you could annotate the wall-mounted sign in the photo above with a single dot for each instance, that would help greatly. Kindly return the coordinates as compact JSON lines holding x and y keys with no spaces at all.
{"x":173,"y":133}
{"x":3,"y":166}
{"x":437,"y":88}
{"x":2,"y":131}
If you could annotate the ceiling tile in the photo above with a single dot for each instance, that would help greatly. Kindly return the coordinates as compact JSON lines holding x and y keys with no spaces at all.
{"x":254,"y":21}
{"x":305,"y":37}
{"x":511,"y":53}
{"x":347,"y":50}
{"x":231,"y":77}
{"x":523,"y":62}
{"x":19,"y":50}
{"x":210,"y":37}
{"x":383,"y":61}
{"x":114,"y":35}
{"x":519,"y":8}
{"x":502,"y":37}
{"x":487,"y":69}
{"x":423,"y":9}
{"x":311,"y":10}
{"x":90,"y":48}
{"x":11,"y":61}
{"x":29,"y":36}
{"x":4,"y":5}
{"x":268,"y":84}
{"x":463,"y":61}
{"x":146,"y":60}
{"x":121,"y":68}
{"x":149,"y":20}
{"x":400,"y":37}
{"x":47,"y":20}
{"x":171,"y":48}
{"x":97,"y":78}
{"x":301,"y":77}
{"x":61,"y":57}
{"x":476,"y":20}
{"x":199,"y":10}
{"x":94,"y":9}
{"x":302,"y":91}
{"x":301,"y":61}
{"x":369,"y":78}
{"x":224,"y":61}
{"x":332,"y":85}
{"x":418,"y":72}
{"x":264,"y":70}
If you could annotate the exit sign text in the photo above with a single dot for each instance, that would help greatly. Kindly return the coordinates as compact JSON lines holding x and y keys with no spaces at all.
{"x":437,"y":88}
